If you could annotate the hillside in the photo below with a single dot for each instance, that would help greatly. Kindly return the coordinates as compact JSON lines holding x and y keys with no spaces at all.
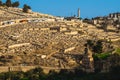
{"x":35,"y":39}
{"x":9,"y":13}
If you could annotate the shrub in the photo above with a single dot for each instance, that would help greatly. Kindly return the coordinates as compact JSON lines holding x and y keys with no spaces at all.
{"x":26,"y":8}
{"x":8,"y":3}
{"x":98,"y":47}
{"x":101,"y":56}
{"x":117,"y":51}
{"x":15,"y":4}
{"x":1,"y":3}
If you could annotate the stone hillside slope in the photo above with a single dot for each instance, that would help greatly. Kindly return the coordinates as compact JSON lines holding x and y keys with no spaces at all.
{"x":46,"y":43}
{"x":16,"y":13}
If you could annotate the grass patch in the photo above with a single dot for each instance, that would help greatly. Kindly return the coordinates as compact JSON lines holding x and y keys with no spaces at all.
{"x":117,"y":51}
{"x":102,"y":55}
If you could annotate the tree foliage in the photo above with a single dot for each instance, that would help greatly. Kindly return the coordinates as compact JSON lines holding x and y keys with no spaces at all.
{"x":1,"y":3}
{"x":98,"y":47}
{"x":26,"y":8}
{"x":77,"y":74}
{"x":8,"y":3}
{"x":95,"y":46}
{"x":16,"y":4}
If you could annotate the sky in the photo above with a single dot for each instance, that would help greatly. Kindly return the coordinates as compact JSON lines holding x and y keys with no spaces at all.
{"x":88,"y":8}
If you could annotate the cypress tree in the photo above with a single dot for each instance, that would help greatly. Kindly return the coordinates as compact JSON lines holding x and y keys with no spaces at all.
{"x":8,"y":3}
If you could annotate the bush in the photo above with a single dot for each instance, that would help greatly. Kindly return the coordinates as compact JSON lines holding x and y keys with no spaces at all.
{"x":95,"y":46}
{"x":1,"y":3}
{"x":15,"y":4}
{"x":98,"y":47}
{"x":101,"y":56}
{"x":26,"y":8}
{"x":8,"y":3}
{"x":117,"y":51}
{"x":24,"y":79}
{"x":35,"y":74}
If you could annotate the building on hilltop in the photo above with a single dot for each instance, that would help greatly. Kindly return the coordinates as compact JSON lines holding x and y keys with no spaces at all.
{"x":71,"y":18}
{"x":115,"y":16}
{"x":78,"y":13}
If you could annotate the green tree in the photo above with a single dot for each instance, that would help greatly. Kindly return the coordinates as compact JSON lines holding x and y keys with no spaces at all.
{"x":8,"y":3}
{"x":26,"y":8}
{"x":1,"y":3}
{"x":98,"y":47}
{"x":90,"y":44}
{"x":16,"y":4}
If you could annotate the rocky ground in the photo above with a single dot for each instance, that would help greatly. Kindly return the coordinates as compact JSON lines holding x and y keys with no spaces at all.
{"x":54,"y":44}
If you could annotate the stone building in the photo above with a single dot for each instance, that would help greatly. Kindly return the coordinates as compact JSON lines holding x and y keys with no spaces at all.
{"x":115,"y":16}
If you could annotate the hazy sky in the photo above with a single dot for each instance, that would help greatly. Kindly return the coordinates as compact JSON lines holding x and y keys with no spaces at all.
{"x":89,"y":8}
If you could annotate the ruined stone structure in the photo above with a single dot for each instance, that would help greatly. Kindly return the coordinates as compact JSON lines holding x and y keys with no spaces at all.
{"x":87,"y":61}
